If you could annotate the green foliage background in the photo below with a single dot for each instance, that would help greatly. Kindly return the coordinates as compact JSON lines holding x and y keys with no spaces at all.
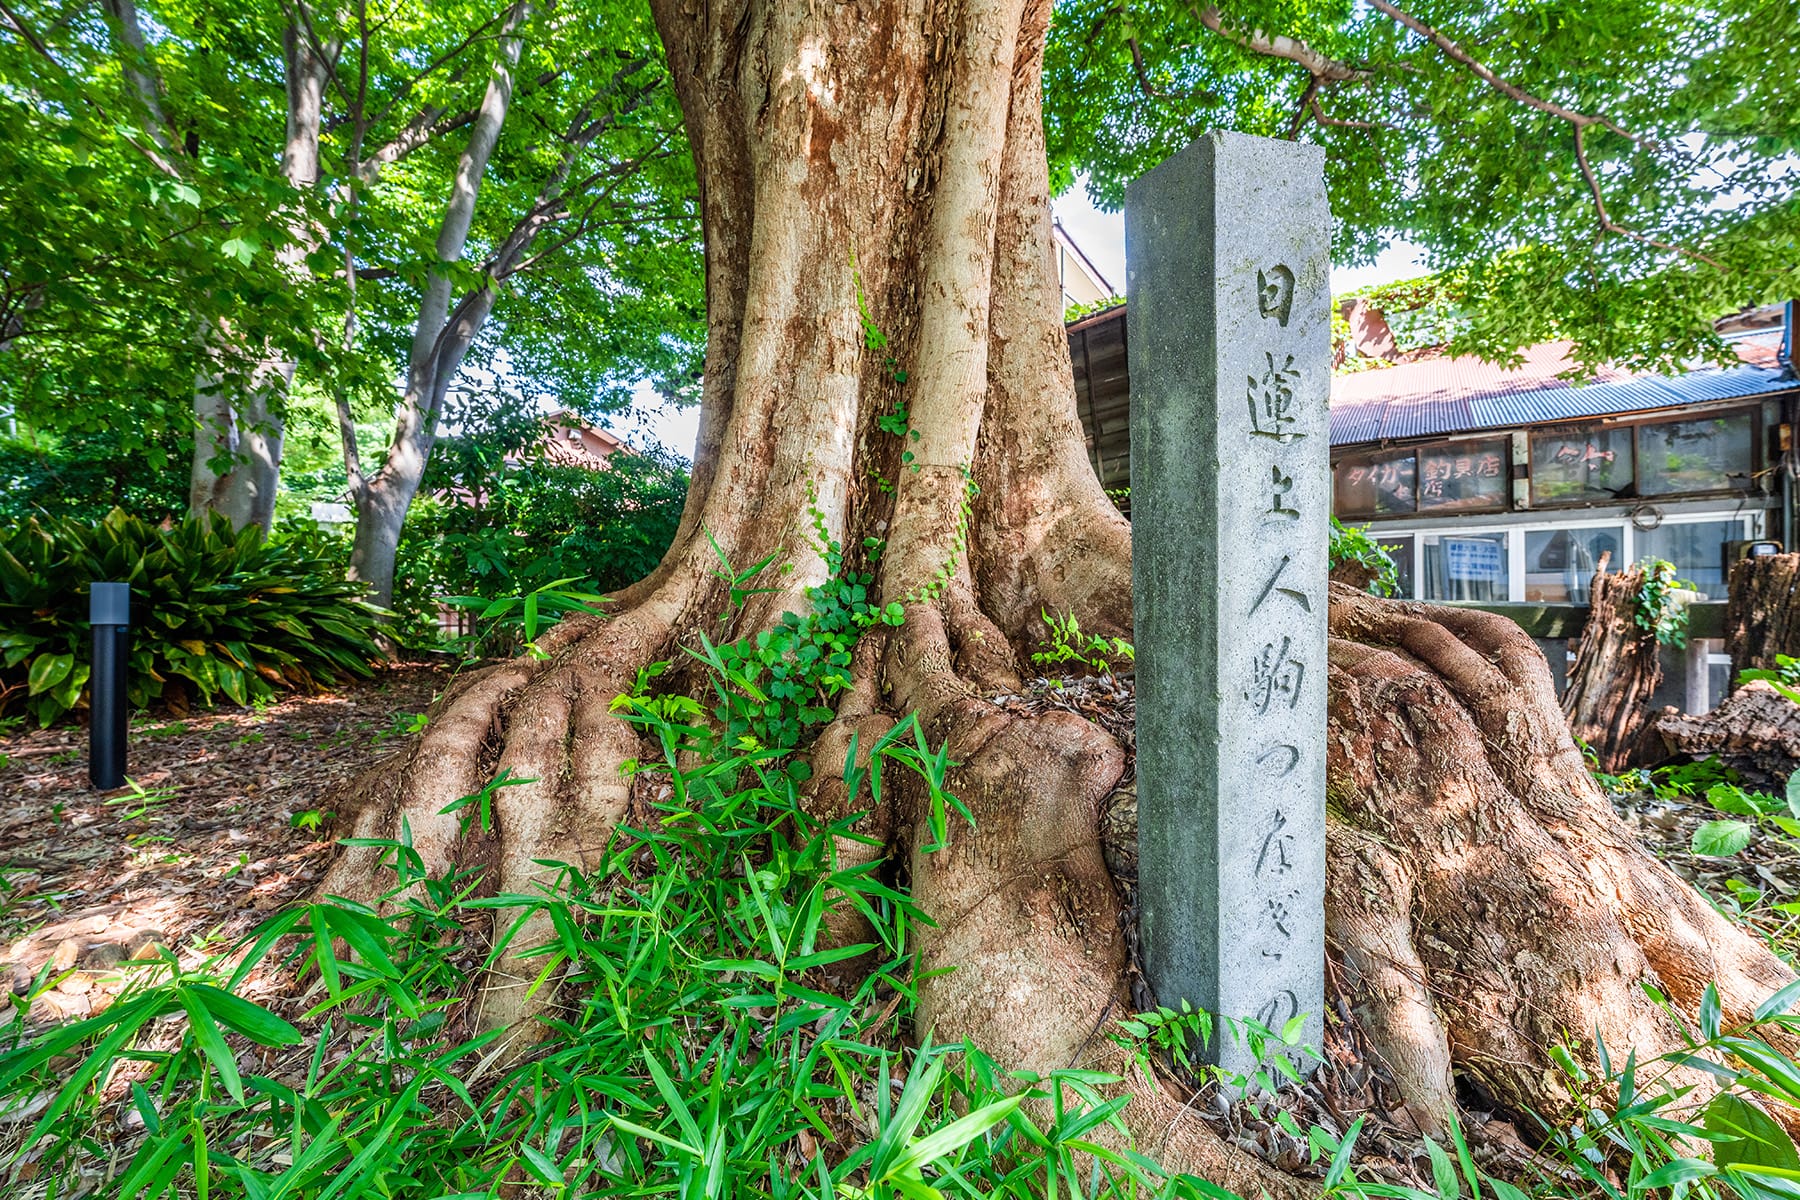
{"x":213,"y":613}
{"x":1690,"y":132}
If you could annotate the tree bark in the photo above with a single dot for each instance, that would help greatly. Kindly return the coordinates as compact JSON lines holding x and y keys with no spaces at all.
{"x":441,"y":338}
{"x":1762,"y":611}
{"x":1755,"y":732}
{"x":1616,"y":670}
{"x":237,"y":443}
{"x":1484,"y":900}
{"x":239,"y":422}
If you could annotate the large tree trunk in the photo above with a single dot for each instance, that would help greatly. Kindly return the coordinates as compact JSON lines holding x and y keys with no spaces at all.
{"x":1484,"y":899}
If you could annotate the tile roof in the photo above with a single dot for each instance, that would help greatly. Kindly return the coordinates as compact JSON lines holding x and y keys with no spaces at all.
{"x":1455,"y":395}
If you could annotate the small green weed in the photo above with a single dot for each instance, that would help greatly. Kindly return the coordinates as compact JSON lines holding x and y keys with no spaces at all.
{"x":1353,"y":544}
{"x":311,"y":820}
{"x":404,"y":724}
{"x":141,"y":803}
{"x":1068,"y":646}
{"x":519,"y":619}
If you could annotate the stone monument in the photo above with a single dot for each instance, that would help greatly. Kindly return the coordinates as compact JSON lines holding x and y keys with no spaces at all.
{"x":1229,"y":336}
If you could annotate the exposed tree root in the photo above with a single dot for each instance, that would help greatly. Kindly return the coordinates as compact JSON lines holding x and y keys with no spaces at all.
{"x":1484,"y":902}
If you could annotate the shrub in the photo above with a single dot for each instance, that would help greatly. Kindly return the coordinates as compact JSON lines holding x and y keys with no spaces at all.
{"x":87,"y":475}
{"x":213,"y":612}
{"x":536,"y":523}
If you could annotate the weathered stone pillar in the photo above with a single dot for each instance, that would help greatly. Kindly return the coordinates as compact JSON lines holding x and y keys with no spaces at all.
{"x":1228,"y":262}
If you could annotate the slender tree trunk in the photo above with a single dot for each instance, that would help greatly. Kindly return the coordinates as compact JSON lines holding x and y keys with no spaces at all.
{"x":908,"y":133}
{"x":441,"y":338}
{"x":237,"y":445}
{"x":239,"y":422}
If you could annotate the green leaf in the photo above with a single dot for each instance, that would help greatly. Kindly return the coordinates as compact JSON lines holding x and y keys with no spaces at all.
{"x":952,"y":1137}
{"x":543,"y":1166}
{"x":242,"y":248}
{"x":1721,"y":839}
{"x":1340,"y":1158}
{"x":1755,"y":1139}
{"x":1778,"y":1002}
{"x":1681,"y":1170}
{"x":1443,"y":1172}
{"x":48,"y":670}
{"x":212,"y":1044}
{"x":241,"y":1016}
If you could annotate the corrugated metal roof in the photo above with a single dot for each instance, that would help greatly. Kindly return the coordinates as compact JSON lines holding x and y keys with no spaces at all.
{"x":1457,"y":395}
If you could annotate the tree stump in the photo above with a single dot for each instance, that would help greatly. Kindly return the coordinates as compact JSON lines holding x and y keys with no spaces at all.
{"x":1762,"y":611}
{"x":1616,"y":671}
{"x":1756,"y":732}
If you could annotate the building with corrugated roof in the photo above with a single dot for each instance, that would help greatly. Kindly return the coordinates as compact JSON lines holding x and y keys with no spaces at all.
{"x":1492,"y":483}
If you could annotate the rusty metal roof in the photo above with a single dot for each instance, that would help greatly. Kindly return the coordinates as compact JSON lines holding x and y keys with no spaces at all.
{"x":1432,"y":396}
{"x":1437,"y":396}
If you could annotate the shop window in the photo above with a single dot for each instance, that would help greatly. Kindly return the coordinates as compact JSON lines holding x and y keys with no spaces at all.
{"x":1560,"y":563}
{"x":1712,"y":455}
{"x":1697,"y":548}
{"x":1465,"y":566}
{"x":1376,"y":485}
{"x":1572,"y":465}
{"x":1463,"y":475}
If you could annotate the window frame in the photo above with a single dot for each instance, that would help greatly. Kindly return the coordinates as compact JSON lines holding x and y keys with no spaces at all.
{"x":1753,"y":412}
{"x":1750,"y":525}
{"x":1501,"y":440}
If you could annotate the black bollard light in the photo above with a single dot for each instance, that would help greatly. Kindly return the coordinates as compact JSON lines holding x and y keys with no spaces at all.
{"x":109,"y":612}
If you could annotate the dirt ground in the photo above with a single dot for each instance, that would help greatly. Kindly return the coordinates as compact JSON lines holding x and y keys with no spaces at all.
{"x":221,"y":824}
{"x":225,"y":822}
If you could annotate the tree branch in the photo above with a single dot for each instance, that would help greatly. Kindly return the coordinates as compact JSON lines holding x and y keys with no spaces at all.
{"x":25,"y":31}
{"x":1343,"y":123}
{"x":1506,"y":88}
{"x":132,"y":58}
{"x":1150,"y":90}
{"x":1581,"y":122}
{"x":40,"y":48}
{"x":1608,"y":225}
{"x":1280,"y":45}
{"x":429,"y":124}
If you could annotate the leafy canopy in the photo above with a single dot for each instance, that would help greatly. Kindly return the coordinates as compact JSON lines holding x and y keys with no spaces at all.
{"x":142,"y":179}
{"x":1616,"y":172}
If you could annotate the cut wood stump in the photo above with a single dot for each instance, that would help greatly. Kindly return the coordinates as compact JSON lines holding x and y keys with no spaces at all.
{"x":1762,"y":611}
{"x":1755,"y":732}
{"x":1615,"y":673}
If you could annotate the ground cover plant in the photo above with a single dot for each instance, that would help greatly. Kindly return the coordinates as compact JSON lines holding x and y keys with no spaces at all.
{"x":719,"y":1038}
{"x":216,"y":613}
{"x":708,"y":1055}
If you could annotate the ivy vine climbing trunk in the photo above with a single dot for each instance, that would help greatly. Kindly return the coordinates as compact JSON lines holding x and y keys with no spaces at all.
{"x":897,"y":147}
{"x":1617,"y":669}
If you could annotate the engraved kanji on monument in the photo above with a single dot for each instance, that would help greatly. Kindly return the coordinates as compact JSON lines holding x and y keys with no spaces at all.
{"x":1228,"y":263}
